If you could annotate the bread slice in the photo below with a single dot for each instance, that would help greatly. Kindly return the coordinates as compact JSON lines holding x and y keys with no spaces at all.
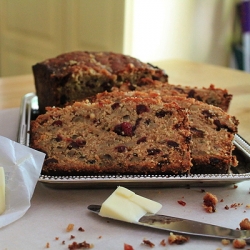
{"x":212,"y":130}
{"x":212,"y":133}
{"x":133,"y":135}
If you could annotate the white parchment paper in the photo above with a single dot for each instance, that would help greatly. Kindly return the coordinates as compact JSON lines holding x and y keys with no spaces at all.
{"x":22,"y":166}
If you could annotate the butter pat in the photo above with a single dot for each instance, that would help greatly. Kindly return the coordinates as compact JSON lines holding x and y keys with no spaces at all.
{"x":125,"y":205}
{"x":2,"y":190}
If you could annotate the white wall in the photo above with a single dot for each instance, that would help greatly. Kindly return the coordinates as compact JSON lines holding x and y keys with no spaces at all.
{"x":197,"y":30}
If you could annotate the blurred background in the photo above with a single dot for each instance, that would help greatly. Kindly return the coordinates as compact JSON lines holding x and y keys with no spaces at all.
{"x":151,"y":30}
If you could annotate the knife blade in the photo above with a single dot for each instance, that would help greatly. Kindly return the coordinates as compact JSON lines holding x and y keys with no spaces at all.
{"x":185,"y":226}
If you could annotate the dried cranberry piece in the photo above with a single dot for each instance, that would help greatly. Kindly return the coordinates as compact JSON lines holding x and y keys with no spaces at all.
{"x":197,"y":132}
{"x":81,"y":143}
{"x":207,"y":114}
{"x":177,"y":125}
{"x":143,"y":139}
{"x":77,"y":144}
{"x":132,"y":87}
{"x":115,"y":105}
{"x":136,"y":124}
{"x":128,"y":247}
{"x":172,"y":144}
{"x":58,"y":138}
{"x":191,"y":94}
{"x":220,"y":126}
{"x":153,"y":151}
{"x":165,"y":156}
{"x":148,"y":243}
{"x":141,"y":108}
{"x":198,"y":98}
{"x":180,"y":90}
{"x":57,"y":123}
{"x":183,"y":203}
{"x":188,"y":139}
{"x":162,"y":113}
{"x":124,"y":129}
{"x":121,"y":149}
{"x":144,"y":82}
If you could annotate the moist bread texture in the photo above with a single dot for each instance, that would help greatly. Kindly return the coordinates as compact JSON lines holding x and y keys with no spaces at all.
{"x":212,"y":134}
{"x":76,"y":75}
{"x":212,"y":130}
{"x":213,"y":96}
{"x":133,"y":135}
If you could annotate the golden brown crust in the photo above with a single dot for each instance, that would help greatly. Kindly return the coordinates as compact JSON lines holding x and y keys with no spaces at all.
{"x":211,"y":95}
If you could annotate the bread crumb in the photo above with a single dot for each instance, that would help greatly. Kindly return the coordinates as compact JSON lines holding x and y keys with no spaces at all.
{"x":148,"y":243}
{"x":47,"y":245}
{"x":163,"y":243}
{"x":81,"y":229}
{"x":70,"y":227}
{"x":183,"y":203}
{"x":177,"y":239}
{"x":239,"y":243}
{"x":72,"y":237}
{"x":236,"y":205}
{"x":81,"y":245}
{"x":128,"y":247}
{"x":245,"y":224}
{"x":225,"y":242}
{"x":209,"y":202}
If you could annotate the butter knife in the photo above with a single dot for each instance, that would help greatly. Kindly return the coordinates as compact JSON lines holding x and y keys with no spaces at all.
{"x":190,"y":227}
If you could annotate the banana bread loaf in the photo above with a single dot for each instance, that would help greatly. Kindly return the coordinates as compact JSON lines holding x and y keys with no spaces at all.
{"x":135,"y":135}
{"x":76,"y":75}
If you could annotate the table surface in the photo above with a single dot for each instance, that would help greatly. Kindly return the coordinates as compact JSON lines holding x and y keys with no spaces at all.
{"x":53,"y":209}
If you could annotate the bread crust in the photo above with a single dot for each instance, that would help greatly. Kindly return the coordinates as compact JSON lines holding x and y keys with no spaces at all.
{"x":76,"y":75}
